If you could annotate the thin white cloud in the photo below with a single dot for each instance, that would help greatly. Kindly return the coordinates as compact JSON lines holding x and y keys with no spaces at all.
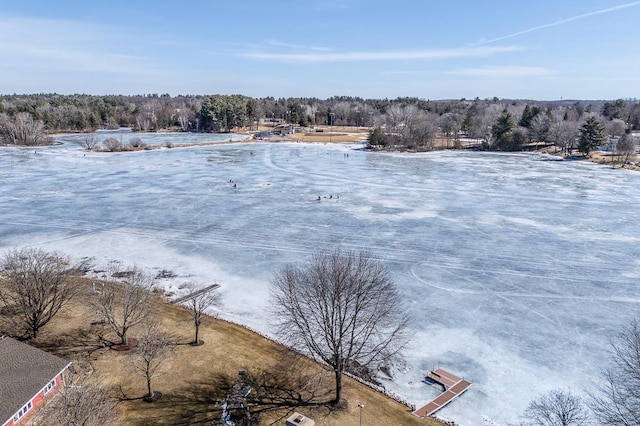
{"x":298,"y":46}
{"x":610,"y":79}
{"x":403,"y":72}
{"x":511,"y":71}
{"x":66,"y":45}
{"x":381,"y":56}
{"x":561,"y":22}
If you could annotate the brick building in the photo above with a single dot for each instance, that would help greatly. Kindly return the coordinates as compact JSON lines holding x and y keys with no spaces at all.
{"x":29,"y":377}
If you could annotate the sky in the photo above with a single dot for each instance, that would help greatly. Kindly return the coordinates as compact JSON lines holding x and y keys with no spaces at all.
{"x":542,"y":50}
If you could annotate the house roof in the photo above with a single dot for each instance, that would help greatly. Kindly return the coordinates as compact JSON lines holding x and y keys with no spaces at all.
{"x":24,"y":371}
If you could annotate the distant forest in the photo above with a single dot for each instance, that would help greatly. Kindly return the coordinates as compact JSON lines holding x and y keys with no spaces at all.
{"x":395,"y":123}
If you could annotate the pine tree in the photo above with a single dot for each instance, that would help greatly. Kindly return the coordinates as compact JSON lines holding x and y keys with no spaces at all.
{"x":377,"y":137}
{"x":592,"y":135}
{"x":506,"y":136}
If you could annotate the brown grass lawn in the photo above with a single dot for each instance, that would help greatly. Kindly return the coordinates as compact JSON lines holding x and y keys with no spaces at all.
{"x":340,"y":134}
{"x":332,"y":134}
{"x":196,"y":379}
{"x":608,"y":159}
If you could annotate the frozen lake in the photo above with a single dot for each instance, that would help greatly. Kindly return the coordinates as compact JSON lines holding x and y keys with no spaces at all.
{"x":515,"y":271}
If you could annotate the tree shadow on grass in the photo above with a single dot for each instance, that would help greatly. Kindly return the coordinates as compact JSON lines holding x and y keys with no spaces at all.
{"x":275,"y":394}
{"x":74,"y":343}
{"x":195,"y":403}
{"x":287,"y":386}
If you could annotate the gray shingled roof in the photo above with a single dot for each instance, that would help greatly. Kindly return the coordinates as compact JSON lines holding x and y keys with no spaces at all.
{"x":24,"y":371}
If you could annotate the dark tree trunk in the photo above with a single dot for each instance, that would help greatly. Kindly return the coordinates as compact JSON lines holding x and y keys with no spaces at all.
{"x":338,"y":374}
{"x":149,"y":390}
{"x":197,"y":332}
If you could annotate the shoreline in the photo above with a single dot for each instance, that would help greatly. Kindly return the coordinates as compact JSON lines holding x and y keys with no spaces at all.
{"x":339,"y":136}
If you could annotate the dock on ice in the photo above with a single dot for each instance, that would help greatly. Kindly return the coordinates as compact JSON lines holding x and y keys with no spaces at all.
{"x":195,"y":294}
{"x":454,"y":386}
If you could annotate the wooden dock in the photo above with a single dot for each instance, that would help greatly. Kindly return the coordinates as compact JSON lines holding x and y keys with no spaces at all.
{"x":195,"y":293}
{"x":454,"y":386}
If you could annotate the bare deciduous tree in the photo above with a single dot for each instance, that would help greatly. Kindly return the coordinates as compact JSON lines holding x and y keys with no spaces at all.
{"x":137,"y":143}
{"x":616,"y":398}
{"x":112,"y":145}
{"x":624,"y":149}
{"x":616,"y":127}
{"x":540,"y":127}
{"x":184,"y":115}
{"x":81,"y":403}
{"x":481,"y":121}
{"x":425,"y":130}
{"x":343,"y":309}
{"x":124,"y":301}
{"x":36,"y":285}
{"x":152,"y":352}
{"x":564,"y":135}
{"x":198,"y":301}
{"x":22,"y":129}
{"x":89,"y":141}
{"x":451,"y":125}
{"x":556,"y":408}
{"x":408,"y":127}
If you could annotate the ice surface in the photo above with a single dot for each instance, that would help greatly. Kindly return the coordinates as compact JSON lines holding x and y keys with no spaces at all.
{"x":515,"y":271}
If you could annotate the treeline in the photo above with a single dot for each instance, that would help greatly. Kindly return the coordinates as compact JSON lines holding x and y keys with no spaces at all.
{"x":401,"y":123}
{"x":506,"y":125}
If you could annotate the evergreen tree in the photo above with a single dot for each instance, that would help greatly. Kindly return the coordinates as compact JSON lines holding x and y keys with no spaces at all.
{"x":503,"y":126}
{"x":529,"y":113}
{"x":616,"y":109}
{"x":506,"y":136}
{"x":377,"y":137}
{"x":592,"y":135}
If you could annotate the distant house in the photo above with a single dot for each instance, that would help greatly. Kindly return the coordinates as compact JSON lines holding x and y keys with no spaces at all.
{"x":28,"y":378}
{"x":610,"y":145}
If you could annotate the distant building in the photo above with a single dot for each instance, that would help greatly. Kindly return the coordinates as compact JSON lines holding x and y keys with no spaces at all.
{"x":28,"y":378}
{"x":297,"y":419}
{"x":612,"y":143}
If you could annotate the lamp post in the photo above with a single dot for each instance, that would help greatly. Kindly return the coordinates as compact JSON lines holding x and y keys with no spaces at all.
{"x":360,"y":406}
{"x":331,"y":118}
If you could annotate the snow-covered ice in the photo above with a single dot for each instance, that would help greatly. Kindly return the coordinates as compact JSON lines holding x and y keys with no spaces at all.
{"x":515,"y":271}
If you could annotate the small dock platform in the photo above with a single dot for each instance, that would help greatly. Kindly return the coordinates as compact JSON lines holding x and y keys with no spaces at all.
{"x":453,"y":385}
{"x":195,"y":294}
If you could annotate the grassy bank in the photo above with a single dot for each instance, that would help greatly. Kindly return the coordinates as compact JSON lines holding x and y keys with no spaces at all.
{"x":194,"y":380}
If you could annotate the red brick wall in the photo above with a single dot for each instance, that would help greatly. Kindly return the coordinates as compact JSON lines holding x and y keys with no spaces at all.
{"x":37,"y":402}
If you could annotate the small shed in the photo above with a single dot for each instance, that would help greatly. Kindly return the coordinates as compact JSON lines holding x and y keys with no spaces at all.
{"x":29,"y":377}
{"x":297,"y":419}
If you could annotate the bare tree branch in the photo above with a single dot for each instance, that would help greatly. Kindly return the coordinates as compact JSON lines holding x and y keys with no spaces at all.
{"x":625,"y":148}
{"x":343,"y":309}
{"x":124,"y":301}
{"x":22,"y":129}
{"x":82,"y":403}
{"x":36,"y":285}
{"x":198,"y":302}
{"x":616,"y":399}
{"x":556,"y":408}
{"x":89,"y":142}
{"x":152,"y":351}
